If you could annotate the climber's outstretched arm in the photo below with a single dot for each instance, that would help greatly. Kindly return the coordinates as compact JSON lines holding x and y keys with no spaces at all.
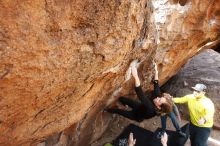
{"x":135,"y":75}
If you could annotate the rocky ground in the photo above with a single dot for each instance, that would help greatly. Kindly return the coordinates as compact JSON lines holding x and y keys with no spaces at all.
{"x":204,"y":68}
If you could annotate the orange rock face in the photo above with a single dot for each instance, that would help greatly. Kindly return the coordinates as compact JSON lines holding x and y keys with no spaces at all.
{"x":61,"y":60}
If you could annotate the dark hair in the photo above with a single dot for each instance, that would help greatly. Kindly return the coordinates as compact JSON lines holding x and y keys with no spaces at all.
{"x":167,"y":107}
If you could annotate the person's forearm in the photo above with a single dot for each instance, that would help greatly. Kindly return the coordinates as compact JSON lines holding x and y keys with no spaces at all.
{"x":156,"y":75}
{"x":137,"y":81}
{"x":180,"y":99}
{"x":156,"y":91}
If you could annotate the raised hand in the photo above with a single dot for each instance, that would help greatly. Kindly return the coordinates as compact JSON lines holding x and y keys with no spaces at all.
{"x":134,"y":71}
{"x":156,"y":71}
{"x":155,"y":66}
{"x":131,"y":140}
{"x":164,"y":139}
{"x":135,"y":75}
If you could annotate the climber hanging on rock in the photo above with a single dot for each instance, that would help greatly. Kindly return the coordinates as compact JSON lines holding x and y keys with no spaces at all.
{"x":147,"y":108}
{"x":159,"y":104}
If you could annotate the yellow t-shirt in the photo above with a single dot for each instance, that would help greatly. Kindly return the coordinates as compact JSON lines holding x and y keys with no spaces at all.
{"x":199,"y":108}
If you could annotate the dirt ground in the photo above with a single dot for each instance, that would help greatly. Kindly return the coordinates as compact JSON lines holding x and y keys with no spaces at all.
{"x":119,"y":123}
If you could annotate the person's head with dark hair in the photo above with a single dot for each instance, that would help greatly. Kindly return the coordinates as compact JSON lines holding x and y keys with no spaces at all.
{"x":164,"y":104}
{"x":167,"y":106}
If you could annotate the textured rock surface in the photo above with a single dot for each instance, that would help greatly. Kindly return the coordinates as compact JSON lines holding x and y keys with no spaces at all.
{"x":203,"y":68}
{"x":60,"y":60}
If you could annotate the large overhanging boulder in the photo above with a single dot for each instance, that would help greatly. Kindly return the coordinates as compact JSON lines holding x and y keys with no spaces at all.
{"x":62,"y":61}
